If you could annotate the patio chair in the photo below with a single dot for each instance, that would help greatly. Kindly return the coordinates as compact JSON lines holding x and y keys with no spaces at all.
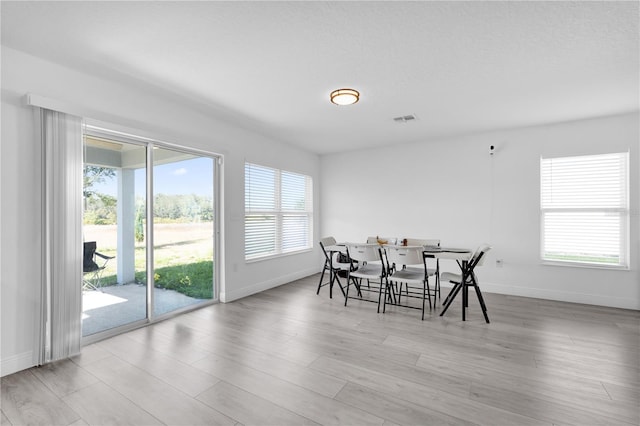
{"x":93,"y":265}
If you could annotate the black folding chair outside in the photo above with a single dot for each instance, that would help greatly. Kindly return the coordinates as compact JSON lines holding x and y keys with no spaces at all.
{"x":93,"y":265}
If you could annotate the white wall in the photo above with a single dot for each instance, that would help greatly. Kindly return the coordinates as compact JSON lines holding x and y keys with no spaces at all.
{"x":455,"y":191}
{"x":143,"y":111}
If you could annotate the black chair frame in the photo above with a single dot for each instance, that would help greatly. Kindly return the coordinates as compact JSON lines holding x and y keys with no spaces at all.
{"x":334,"y":276}
{"x":469,"y":279}
{"x":409,"y":292}
{"x":357,"y":281}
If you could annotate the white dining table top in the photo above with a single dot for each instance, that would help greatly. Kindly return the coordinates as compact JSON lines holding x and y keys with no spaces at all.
{"x":449,"y":253}
{"x":454,"y":253}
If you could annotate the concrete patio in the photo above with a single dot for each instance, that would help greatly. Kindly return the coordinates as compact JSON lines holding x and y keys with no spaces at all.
{"x":118,"y":305}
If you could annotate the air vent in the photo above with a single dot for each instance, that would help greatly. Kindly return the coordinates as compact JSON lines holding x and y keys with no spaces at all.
{"x":405,"y":118}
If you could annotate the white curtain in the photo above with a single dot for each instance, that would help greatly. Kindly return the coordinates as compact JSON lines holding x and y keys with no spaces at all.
{"x":62,"y":235}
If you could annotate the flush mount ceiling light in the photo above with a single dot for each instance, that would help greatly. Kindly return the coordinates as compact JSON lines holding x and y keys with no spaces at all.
{"x":345,"y":96}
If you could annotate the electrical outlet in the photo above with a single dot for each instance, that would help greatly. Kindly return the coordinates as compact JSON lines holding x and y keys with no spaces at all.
{"x":499,"y":263}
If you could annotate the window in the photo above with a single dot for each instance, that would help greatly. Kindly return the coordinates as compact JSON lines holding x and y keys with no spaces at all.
{"x":278,"y":215}
{"x":584,"y":210}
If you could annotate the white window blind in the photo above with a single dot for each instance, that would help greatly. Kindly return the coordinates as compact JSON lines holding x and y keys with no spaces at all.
{"x":278,"y":212}
{"x":585,"y":209}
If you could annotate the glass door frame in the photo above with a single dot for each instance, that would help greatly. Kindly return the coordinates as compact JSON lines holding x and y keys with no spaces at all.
{"x":150,"y":144}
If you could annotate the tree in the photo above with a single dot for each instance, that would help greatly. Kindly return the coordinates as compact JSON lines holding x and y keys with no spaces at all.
{"x":94,"y":175}
{"x":139,"y":225}
{"x":100,"y":209}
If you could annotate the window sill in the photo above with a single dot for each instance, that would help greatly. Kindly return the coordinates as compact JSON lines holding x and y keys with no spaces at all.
{"x":276,"y":256}
{"x":585,"y":265}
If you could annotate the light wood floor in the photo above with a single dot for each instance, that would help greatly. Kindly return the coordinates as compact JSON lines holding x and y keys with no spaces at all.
{"x":289,"y":357}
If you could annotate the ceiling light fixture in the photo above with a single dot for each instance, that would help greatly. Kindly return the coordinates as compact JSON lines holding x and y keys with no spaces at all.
{"x":345,"y":96}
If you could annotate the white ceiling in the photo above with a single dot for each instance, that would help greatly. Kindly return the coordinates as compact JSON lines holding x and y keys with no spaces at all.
{"x":460,"y":67}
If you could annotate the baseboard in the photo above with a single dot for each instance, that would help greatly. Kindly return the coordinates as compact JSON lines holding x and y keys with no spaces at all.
{"x":229,"y":296}
{"x":15,"y":363}
{"x":562,"y":296}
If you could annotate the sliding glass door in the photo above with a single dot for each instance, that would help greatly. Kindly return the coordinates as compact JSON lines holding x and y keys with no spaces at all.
{"x":135,"y":269}
{"x":114,"y":254}
{"x":183,"y":229}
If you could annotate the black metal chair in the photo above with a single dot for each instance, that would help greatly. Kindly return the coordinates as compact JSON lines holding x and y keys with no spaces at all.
{"x":332,"y":265}
{"x":371,"y":267}
{"x":93,"y":265}
{"x":433,"y":263}
{"x":415,"y":280}
{"x":464,"y":281}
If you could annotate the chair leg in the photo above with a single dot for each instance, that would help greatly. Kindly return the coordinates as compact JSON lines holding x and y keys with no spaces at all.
{"x":346,"y":295}
{"x":480,"y":299}
{"x":358,"y":284}
{"x":466,"y":293}
{"x":452,"y":295}
{"x":406,"y":290}
{"x":482,"y":304}
{"x":384,"y":307}
{"x":332,"y":277}
{"x":354,"y":282}
{"x":437,"y":290}
{"x":424,"y":289}
{"x":392,"y":293}
{"x":465,"y":301}
{"x":446,"y":299}
{"x":322,"y":277}
{"x":98,"y":277}
{"x":340,"y":285}
{"x":88,"y":285}
{"x":335,"y":279}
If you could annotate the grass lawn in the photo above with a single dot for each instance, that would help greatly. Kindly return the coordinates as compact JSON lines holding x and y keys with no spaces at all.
{"x":583,"y":258}
{"x":182,"y":257}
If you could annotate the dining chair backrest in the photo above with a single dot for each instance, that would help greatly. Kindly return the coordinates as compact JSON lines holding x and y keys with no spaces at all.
{"x":404,"y":255}
{"x":423,"y":242}
{"x":363,"y":252}
{"x":324,"y":243}
{"x":432,"y":262}
{"x":478,"y":257}
{"x":327,"y":241}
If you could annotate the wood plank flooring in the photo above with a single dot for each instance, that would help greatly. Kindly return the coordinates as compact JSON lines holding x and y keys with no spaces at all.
{"x":290,"y":357}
